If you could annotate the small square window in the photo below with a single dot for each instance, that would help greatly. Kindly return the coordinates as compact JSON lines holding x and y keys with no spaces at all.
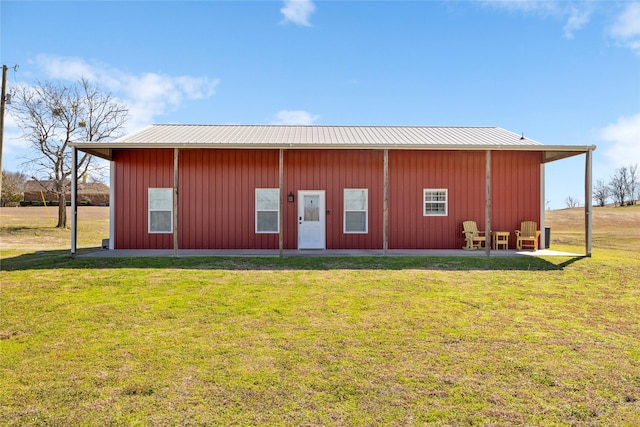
{"x":435,"y":202}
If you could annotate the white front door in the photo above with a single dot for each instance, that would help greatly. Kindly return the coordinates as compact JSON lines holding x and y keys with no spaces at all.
{"x":311,"y":219}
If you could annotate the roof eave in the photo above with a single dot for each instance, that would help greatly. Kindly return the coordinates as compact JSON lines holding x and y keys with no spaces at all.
{"x":552,"y":152}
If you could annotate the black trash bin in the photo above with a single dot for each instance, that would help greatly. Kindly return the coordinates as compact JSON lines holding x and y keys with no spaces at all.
{"x":547,"y":237}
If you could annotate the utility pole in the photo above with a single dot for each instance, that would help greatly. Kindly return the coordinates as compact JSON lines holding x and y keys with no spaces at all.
{"x":2,"y":102}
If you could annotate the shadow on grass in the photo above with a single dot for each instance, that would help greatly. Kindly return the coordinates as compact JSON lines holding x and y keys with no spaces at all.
{"x":20,"y":228}
{"x":568,"y":262}
{"x":45,"y":260}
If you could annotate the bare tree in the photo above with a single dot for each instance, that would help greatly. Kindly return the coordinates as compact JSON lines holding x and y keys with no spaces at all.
{"x":633,"y":185}
{"x":52,"y":116}
{"x":601,"y":192}
{"x":572,"y":202}
{"x":12,"y":187}
{"x":619,"y":185}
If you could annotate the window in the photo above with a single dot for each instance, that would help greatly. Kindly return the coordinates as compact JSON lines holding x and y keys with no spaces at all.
{"x":435,"y":202}
{"x":160,"y":210}
{"x":356,"y":210}
{"x":267,"y":210}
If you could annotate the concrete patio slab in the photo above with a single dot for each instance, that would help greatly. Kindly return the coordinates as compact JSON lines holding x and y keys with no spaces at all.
{"x":292,"y":253}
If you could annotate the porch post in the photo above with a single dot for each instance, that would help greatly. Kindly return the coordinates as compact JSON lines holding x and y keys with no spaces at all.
{"x":281,"y":219}
{"x":112,"y":204}
{"x":487,"y":213}
{"x":176,"y":152}
{"x":543,"y":237}
{"x":74,"y":200}
{"x":385,"y":204}
{"x":588,"y":203}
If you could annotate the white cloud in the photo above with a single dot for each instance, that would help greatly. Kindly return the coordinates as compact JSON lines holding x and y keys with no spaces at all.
{"x":541,"y":7}
{"x":289,"y":117}
{"x":624,"y":139}
{"x":576,"y":13}
{"x":578,"y":18}
{"x":626,"y":28}
{"x":147,"y":95}
{"x":65,"y":68}
{"x":298,"y":11}
{"x":13,"y":141}
{"x":628,"y":22}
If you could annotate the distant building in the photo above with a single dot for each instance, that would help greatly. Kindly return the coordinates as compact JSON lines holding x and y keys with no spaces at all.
{"x":89,"y":193}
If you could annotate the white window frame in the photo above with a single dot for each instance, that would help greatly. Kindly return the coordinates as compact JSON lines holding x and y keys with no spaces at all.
{"x":277,"y":230}
{"x":365,"y":210}
{"x":430,"y":192}
{"x":167,"y":194}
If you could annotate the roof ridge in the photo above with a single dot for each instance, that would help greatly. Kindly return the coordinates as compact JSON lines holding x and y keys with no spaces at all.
{"x":322,"y":126}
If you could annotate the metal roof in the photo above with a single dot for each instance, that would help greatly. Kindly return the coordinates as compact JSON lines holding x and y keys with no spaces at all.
{"x":279,"y":135}
{"x":287,"y":136}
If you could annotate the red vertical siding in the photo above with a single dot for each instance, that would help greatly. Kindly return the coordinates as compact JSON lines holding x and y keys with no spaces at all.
{"x":137,"y":171}
{"x":410,"y":172}
{"x":515,"y":193}
{"x":217,"y":198}
{"x":217,"y":195}
{"x":333,"y":171}
{"x":515,"y":190}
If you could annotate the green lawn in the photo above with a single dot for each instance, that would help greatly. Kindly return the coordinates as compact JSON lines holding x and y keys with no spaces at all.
{"x":320,"y":341}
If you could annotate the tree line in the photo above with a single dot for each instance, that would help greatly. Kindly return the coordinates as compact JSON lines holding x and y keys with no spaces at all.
{"x":623,"y":187}
{"x":12,"y":188}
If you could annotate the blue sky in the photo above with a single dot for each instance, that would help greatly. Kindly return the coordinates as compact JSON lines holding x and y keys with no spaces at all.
{"x":562,"y":72}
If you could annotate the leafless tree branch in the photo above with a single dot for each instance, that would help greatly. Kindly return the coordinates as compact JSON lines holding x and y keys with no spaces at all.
{"x":52,"y":116}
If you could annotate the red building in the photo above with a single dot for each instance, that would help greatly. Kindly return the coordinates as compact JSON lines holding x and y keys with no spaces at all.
{"x":322,"y":187}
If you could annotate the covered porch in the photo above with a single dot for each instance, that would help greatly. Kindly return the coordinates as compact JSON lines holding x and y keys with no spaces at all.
{"x":294,"y":253}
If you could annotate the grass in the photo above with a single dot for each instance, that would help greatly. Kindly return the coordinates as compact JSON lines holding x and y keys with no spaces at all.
{"x":34,"y":228}
{"x":325,"y":341}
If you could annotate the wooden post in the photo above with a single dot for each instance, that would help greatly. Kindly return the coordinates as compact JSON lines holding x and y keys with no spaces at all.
{"x":385,"y":205}
{"x":543,"y":237}
{"x":487,"y":213}
{"x":176,"y":152}
{"x":588,"y":204}
{"x":3,"y":97}
{"x":281,"y":219}
{"x":74,"y":200}
{"x":112,"y":205}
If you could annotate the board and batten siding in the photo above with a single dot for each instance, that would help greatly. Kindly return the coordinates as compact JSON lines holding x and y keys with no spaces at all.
{"x":515,"y":195}
{"x":515,"y":190}
{"x":410,"y":172}
{"x":216,"y":206}
{"x":217,"y":198}
{"x":136,"y":171}
{"x":333,"y":171}
{"x":217,"y":195}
